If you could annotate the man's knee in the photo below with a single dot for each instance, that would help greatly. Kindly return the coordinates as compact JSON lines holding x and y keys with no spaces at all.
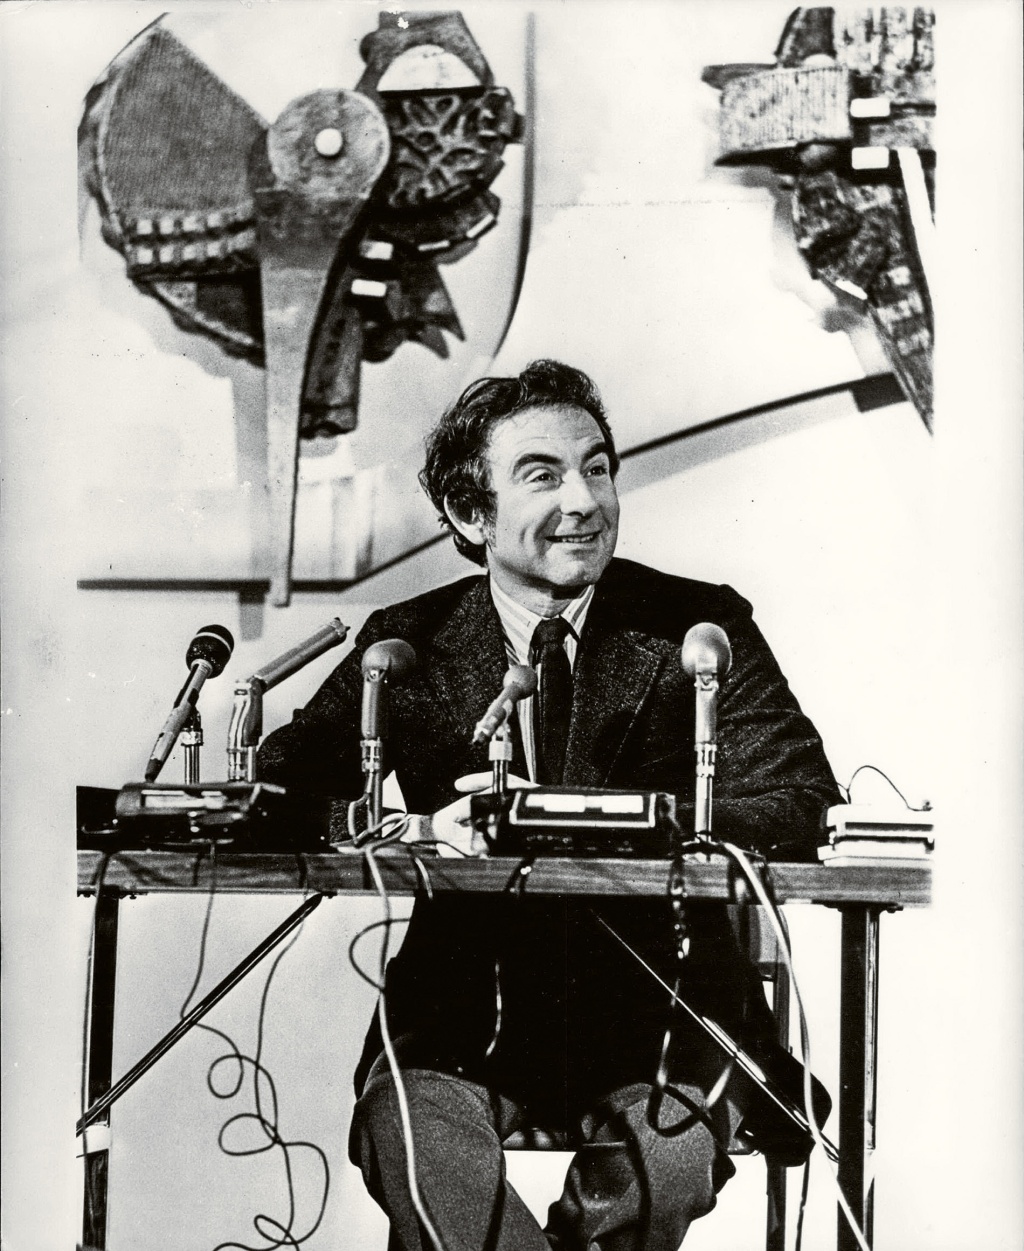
{"x":372,"y":1119}
{"x":447,"y":1115}
{"x":670,"y":1157}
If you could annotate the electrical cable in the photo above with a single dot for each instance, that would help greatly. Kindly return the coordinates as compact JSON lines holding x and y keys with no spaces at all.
{"x":98,"y":877}
{"x":848,"y":788}
{"x":276,"y":1233}
{"x":262,"y":1222}
{"x":740,"y":857}
{"x":681,"y":935}
{"x":204,"y":930}
{"x":720,"y":1037}
{"x":766,"y":897}
{"x":391,"y":827}
{"x":514,"y":887}
{"x":421,"y":869}
{"x":358,"y":938}
{"x":392,"y":1059}
{"x":428,"y":889}
{"x":354,"y":806}
{"x":801,"y":1210}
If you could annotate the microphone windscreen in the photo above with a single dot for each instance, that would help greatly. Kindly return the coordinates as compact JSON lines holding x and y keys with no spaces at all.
{"x":214,"y":644}
{"x":521,"y":681}
{"x":395,"y":656}
{"x":706,"y":650}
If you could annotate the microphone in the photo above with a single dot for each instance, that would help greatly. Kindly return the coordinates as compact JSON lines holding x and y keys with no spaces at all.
{"x":706,"y":657}
{"x":206,"y":657}
{"x":519,"y":682}
{"x":390,"y":659}
{"x":298,"y":657}
{"x":246,"y":726}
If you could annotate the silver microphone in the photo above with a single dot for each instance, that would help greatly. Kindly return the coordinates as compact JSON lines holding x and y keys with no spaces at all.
{"x":292,"y":661}
{"x":706,"y":657}
{"x":246,"y":726}
{"x":388,"y":660}
{"x":519,"y":682}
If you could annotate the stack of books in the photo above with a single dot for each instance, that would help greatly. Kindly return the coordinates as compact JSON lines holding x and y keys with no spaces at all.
{"x":876,"y":834}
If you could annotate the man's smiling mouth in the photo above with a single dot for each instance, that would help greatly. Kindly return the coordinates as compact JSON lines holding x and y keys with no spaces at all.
{"x":574,"y":538}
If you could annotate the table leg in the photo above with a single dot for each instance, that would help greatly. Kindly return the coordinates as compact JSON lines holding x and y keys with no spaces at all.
{"x":777,"y":1175}
{"x":99,"y":1059}
{"x":858,"y":1045}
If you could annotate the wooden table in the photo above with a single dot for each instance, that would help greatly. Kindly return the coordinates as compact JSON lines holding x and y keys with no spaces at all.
{"x":860,"y":892}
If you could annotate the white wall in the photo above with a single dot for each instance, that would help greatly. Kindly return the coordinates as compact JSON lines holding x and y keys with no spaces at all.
{"x":882,"y":567}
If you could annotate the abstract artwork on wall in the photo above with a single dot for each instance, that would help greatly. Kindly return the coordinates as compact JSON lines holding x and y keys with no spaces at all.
{"x":849,"y":88}
{"x":313,"y":245}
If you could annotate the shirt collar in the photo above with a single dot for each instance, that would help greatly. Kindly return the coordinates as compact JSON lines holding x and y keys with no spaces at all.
{"x":519,"y":623}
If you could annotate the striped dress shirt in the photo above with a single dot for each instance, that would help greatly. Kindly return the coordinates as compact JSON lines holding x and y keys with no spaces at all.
{"x":518,"y":625}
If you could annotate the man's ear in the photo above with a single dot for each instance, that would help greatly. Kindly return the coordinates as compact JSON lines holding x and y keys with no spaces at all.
{"x":471,"y":528}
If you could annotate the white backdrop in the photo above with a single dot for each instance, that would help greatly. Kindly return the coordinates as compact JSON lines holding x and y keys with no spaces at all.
{"x":883,"y":566}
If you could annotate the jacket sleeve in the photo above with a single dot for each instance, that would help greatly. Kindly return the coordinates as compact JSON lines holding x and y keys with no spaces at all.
{"x":318,"y":751}
{"x":772,"y":779}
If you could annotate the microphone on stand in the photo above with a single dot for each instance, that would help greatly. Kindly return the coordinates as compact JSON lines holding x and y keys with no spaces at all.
{"x":519,"y":682}
{"x":706,"y":657}
{"x":206,"y":657}
{"x":383,"y":662}
{"x":246,"y":727}
{"x":297,"y":658}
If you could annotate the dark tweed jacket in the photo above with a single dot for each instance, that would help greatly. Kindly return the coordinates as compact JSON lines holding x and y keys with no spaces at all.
{"x":579,"y":1014}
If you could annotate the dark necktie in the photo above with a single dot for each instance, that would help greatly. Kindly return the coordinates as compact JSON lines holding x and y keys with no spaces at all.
{"x":553,"y":705}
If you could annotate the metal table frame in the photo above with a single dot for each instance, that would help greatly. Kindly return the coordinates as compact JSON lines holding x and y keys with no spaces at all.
{"x":860,"y":892}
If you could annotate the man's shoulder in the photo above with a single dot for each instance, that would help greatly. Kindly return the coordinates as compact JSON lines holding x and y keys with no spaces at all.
{"x":666,"y":604}
{"x":425,"y":613}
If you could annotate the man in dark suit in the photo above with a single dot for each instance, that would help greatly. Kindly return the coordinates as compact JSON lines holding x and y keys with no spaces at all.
{"x":529,"y":1010}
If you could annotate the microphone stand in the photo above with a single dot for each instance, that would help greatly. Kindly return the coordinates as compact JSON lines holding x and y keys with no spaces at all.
{"x":706,"y":749}
{"x":244,"y":735}
{"x":245,"y":730}
{"x":373,"y":754}
{"x":499,"y":753}
{"x":191,"y":741}
{"x":706,"y":654}
{"x":246,"y":727}
{"x":383,"y":662}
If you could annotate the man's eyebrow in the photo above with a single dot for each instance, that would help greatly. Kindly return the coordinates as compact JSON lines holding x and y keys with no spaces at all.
{"x":598,"y":448}
{"x":538,"y":457}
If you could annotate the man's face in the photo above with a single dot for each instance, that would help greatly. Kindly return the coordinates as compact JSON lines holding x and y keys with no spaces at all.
{"x":556,"y":511}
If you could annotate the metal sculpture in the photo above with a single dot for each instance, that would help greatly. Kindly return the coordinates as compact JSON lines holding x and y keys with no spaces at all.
{"x":845,"y":91}
{"x":312,"y":245}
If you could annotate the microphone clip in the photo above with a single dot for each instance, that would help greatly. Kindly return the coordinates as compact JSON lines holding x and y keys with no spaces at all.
{"x":373,"y":755}
{"x":499,"y":752}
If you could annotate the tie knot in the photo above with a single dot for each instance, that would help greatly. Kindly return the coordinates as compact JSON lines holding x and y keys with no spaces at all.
{"x":550,"y":632}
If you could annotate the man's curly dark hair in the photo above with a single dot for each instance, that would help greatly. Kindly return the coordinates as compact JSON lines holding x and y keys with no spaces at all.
{"x":456,"y":463}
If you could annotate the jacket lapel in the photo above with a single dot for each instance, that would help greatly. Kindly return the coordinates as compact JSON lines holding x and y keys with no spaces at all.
{"x":467,"y":664}
{"x":615,"y":673}
{"x":616,"y":668}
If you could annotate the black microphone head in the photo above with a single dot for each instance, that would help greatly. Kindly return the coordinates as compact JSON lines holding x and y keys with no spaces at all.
{"x":214,"y":644}
{"x":395,"y":657}
{"x":706,"y":650}
{"x":520,"y":681}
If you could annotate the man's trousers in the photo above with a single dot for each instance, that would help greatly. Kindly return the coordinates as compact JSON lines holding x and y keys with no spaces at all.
{"x":646,"y":1172}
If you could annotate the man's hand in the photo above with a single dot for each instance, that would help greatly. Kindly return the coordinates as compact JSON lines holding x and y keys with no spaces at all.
{"x":451,"y":827}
